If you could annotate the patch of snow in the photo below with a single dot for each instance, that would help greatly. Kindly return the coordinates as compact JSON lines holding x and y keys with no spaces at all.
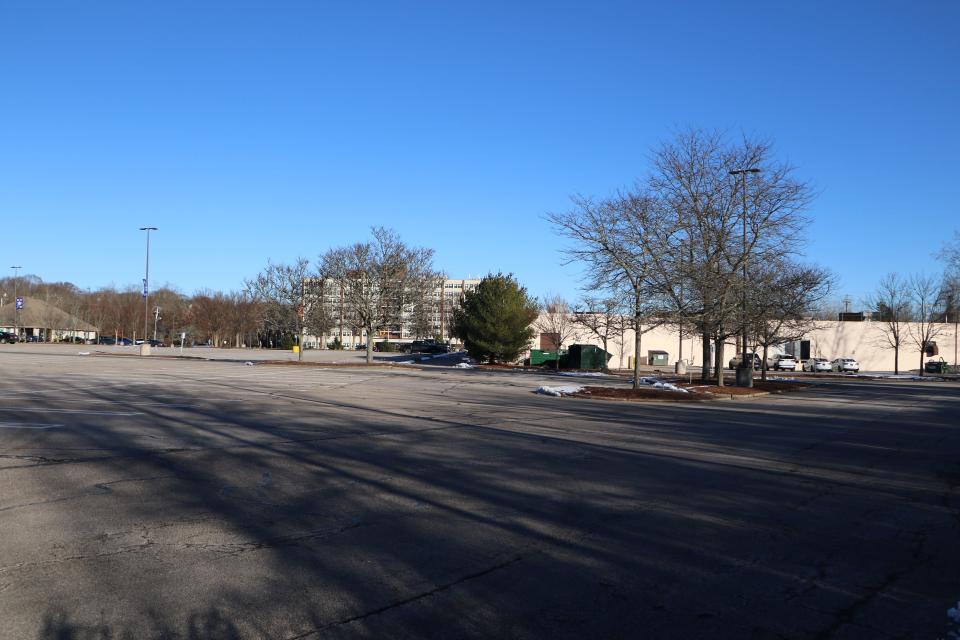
{"x":463,"y":365}
{"x":405,"y":362}
{"x":248,"y":363}
{"x":657,"y":383}
{"x":560,"y":391}
{"x":83,"y":353}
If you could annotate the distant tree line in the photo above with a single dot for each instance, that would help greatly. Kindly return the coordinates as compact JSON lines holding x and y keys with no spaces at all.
{"x":209,"y":317}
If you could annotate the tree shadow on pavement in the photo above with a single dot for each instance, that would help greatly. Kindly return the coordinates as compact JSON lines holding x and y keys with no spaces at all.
{"x":282,"y":516}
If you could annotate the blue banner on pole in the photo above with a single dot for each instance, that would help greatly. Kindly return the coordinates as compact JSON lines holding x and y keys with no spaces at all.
{"x":144,"y":287}
{"x":19,"y":302}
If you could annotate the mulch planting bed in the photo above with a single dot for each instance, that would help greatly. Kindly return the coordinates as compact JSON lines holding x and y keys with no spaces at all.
{"x":697,"y":391}
{"x":760,"y":387}
{"x":643,"y":393}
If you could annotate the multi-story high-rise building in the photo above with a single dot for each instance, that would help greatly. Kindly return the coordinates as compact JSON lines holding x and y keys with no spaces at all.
{"x":433,"y":320}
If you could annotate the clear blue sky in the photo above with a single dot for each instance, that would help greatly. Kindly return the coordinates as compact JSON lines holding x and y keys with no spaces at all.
{"x":250,"y":131}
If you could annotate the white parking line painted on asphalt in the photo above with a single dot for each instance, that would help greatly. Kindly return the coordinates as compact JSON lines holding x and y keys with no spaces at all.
{"x":28,"y":425}
{"x":80,"y":411}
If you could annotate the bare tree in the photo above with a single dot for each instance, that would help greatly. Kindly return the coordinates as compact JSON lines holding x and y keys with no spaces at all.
{"x":557,"y":321}
{"x":320,"y":315}
{"x":950,"y":253}
{"x":380,"y":281}
{"x":783,"y":295}
{"x":210,"y":315}
{"x":603,"y":318}
{"x":281,"y":288}
{"x":891,"y":302}
{"x":702,"y":253}
{"x":612,"y":237}
{"x":925,"y":296}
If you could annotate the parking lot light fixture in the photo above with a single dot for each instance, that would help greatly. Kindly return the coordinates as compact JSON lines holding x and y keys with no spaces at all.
{"x":16,"y":304}
{"x":146,"y":289}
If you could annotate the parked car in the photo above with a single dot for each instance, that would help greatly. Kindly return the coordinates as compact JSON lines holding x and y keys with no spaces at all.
{"x":8,"y":336}
{"x":845,"y":365}
{"x":34,"y":339}
{"x":428,"y":346}
{"x":817,"y":365}
{"x":156,"y":343}
{"x":735,"y":361}
{"x":361,"y":347}
{"x":782,"y":362}
{"x":126,"y":342}
{"x":106,"y":340}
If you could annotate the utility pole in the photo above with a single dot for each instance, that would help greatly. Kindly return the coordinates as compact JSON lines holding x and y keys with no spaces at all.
{"x":156,"y":316}
{"x":146,"y":294}
{"x":745,"y":372}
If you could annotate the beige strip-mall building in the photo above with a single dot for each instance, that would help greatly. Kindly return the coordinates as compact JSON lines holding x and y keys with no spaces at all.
{"x":863,"y":341}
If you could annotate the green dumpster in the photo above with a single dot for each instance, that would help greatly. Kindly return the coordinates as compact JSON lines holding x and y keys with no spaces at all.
{"x":541,"y":356}
{"x":658,"y":358}
{"x":587,"y":356}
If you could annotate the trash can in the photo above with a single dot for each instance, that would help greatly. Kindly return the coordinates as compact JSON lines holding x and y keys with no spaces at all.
{"x":681,"y":367}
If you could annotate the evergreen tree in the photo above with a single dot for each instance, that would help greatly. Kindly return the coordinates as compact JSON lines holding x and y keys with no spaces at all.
{"x":494,"y":320}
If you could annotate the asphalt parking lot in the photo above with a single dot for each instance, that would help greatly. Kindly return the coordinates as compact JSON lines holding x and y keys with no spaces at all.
{"x":159,"y":498}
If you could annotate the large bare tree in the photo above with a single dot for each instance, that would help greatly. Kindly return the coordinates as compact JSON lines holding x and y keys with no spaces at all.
{"x":712,"y":237}
{"x":612,"y":238}
{"x":677,"y":245}
{"x":380,"y":282}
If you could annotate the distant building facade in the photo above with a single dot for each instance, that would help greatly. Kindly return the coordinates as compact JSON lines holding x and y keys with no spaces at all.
{"x":863,"y":340}
{"x":39,"y":320}
{"x":434,"y":320}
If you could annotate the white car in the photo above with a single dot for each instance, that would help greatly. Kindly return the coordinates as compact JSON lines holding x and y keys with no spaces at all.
{"x":782,"y":362}
{"x":817,"y":365}
{"x":844,"y":365}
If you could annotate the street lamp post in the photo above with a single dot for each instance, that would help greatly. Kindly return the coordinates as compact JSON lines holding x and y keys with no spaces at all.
{"x":745,"y":372}
{"x":146,"y":293}
{"x":16,"y":301}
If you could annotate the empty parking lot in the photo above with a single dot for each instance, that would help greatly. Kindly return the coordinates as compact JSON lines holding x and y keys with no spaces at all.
{"x":201,"y":499}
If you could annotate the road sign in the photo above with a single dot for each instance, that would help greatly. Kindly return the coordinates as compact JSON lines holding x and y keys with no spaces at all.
{"x":19,"y":302}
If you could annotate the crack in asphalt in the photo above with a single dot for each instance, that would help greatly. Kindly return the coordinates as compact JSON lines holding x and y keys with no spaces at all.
{"x":845,"y":615}
{"x":405,"y":601}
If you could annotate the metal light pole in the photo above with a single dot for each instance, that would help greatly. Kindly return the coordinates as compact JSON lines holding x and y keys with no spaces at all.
{"x":16,"y":302}
{"x":745,"y":372}
{"x":146,"y":291}
{"x":956,"y":324}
